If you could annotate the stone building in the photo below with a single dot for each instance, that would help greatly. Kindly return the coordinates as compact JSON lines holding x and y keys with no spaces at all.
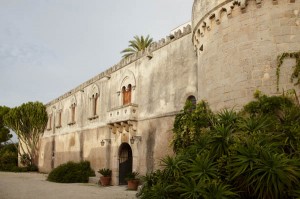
{"x":122,"y":119}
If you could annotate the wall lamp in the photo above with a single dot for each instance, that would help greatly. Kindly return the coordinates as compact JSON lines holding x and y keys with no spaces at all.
{"x":135,"y":137}
{"x":105,"y":140}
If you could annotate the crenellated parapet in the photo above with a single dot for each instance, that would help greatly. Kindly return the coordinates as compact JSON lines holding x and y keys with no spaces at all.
{"x":148,"y":52}
{"x":208,"y":13}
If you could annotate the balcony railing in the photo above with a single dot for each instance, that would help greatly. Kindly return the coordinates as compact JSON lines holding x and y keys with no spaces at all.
{"x":123,"y":113}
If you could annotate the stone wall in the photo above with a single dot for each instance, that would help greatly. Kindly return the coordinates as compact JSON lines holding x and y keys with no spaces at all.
{"x":237,"y":44}
{"x":161,"y":81}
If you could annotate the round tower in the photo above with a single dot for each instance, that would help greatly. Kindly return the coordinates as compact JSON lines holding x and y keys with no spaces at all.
{"x":237,"y":44}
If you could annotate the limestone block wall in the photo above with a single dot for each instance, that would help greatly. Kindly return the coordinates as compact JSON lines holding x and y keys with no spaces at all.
{"x":237,"y":44}
{"x":166,"y":80}
{"x":161,"y":78}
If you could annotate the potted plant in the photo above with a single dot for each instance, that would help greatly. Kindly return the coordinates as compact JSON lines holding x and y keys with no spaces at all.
{"x":132,"y":180}
{"x":106,"y":176}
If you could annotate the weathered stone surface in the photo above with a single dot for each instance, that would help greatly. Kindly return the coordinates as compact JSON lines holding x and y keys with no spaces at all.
{"x":236,"y":45}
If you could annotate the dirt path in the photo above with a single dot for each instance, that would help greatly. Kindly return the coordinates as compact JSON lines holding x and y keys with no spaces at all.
{"x":35,"y":186}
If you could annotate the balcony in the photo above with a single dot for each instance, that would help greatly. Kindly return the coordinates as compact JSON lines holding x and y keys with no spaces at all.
{"x":123,"y":113}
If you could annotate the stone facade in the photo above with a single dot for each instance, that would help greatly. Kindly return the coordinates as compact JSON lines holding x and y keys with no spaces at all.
{"x":128,"y":111}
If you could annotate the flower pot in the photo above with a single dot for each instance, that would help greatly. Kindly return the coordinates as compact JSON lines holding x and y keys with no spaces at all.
{"x":133,"y":184}
{"x":105,"y":180}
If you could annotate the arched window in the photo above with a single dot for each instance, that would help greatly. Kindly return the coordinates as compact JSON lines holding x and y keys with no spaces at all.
{"x":49,"y":124}
{"x":129,"y":94}
{"x":95,"y":100}
{"x":58,"y":116}
{"x":58,"y":119}
{"x":126,"y":93}
{"x":193,"y":101}
{"x":73,"y":106}
{"x":93,"y":103}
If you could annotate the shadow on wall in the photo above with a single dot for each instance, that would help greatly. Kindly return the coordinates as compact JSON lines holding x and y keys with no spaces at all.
{"x":150,"y":148}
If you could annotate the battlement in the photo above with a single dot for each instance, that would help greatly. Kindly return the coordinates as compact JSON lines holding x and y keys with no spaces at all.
{"x":126,"y":61}
{"x":203,"y":22}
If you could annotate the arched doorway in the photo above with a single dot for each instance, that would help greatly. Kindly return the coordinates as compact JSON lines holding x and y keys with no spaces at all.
{"x":125,"y":162}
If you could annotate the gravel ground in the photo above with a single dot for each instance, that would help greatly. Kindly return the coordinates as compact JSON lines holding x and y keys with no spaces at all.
{"x":35,"y":186}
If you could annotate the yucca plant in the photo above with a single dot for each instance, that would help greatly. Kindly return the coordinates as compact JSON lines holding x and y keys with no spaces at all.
{"x":273,"y":175}
{"x":254,"y":124}
{"x":202,"y":168}
{"x":188,"y":188}
{"x":172,"y":167}
{"x":227,"y":117}
{"x":218,"y":190}
{"x":222,"y":138}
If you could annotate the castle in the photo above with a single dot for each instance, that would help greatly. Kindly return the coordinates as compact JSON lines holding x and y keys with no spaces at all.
{"x":122,"y":119}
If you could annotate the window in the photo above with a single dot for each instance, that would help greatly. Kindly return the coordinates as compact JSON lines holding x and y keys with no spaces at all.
{"x":72,"y":114}
{"x":191,"y":99}
{"x":126,"y":93}
{"x":93,"y":106}
{"x":49,"y":124}
{"x":58,"y":119}
{"x":93,"y":102}
{"x":95,"y":99}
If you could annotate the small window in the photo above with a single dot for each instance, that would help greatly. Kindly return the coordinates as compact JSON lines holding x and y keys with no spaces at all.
{"x":72,"y":114}
{"x":126,"y":93}
{"x":58,"y":119}
{"x":95,"y":100}
{"x":93,"y":106}
{"x":193,"y":101}
{"x":49,"y":124}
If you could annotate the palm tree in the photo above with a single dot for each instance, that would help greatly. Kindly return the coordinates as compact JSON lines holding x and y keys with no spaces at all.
{"x":137,"y":44}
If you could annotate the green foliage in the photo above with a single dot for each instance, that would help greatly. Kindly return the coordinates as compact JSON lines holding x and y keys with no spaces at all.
{"x":295,"y":74}
{"x":71,"y":173}
{"x":189,"y":124}
{"x":5,"y":134}
{"x":28,"y":121}
{"x":132,"y":176}
{"x":105,"y":172}
{"x":253,"y":153}
{"x":8,"y":157}
{"x":138,"y":44}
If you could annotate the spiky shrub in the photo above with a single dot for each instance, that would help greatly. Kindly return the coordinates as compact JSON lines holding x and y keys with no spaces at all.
{"x":71,"y":172}
{"x":105,"y":172}
{"x":253,"y":153}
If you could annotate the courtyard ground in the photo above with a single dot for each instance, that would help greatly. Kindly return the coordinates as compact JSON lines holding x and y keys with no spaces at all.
{"x":35,"y":186}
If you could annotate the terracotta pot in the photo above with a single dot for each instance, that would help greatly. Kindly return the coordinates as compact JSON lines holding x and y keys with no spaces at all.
{"x":105,"y":181}
{"x":133,"y":184}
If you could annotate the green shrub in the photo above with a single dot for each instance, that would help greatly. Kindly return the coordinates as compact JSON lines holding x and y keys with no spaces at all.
{"x":8,"y":157}
{"x":253,"y":153}
{"x":71,"y":172}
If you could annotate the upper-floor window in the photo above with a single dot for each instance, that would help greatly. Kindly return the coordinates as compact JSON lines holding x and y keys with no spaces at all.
{"x":72,"y":113}
{"x":126,"y":93}
{"x":49,"y":123}
{"x":94,"y":103}
{"x":58,"y":118}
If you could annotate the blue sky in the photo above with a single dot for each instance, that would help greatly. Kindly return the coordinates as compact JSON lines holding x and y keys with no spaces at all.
{"x":48,"y":47}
